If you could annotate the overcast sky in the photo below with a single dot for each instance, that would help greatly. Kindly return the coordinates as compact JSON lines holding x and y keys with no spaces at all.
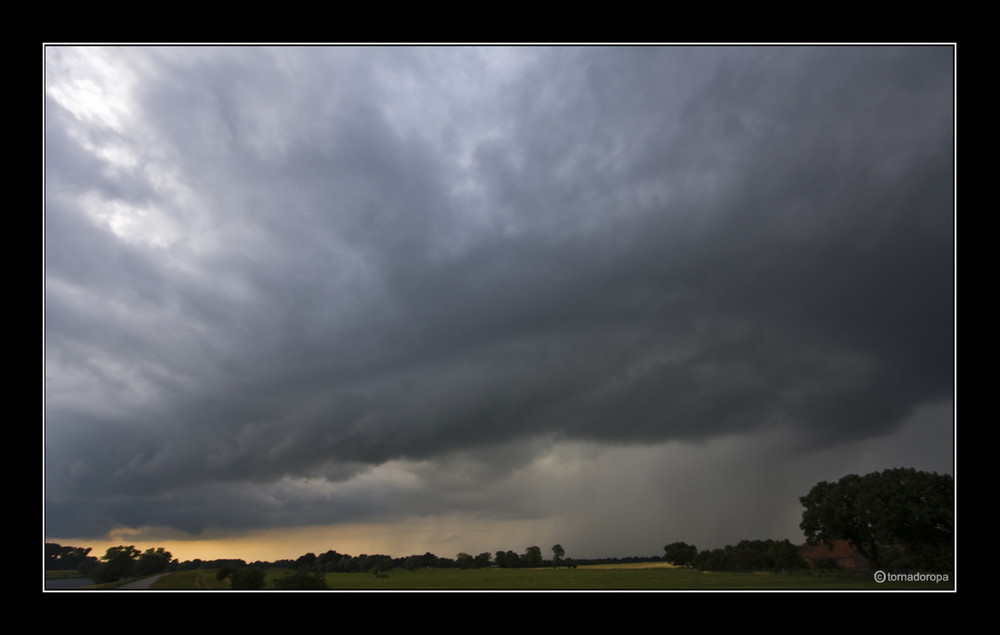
{"x":448,"y":299}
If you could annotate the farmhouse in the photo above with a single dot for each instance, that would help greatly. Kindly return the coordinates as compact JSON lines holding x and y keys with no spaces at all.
{"x":845,"y":555}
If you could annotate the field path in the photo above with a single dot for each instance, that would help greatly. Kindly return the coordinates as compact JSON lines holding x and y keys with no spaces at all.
{"x":145,"y":583}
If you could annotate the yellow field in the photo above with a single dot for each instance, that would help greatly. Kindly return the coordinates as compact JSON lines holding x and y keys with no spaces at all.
{"x":630,"y":565}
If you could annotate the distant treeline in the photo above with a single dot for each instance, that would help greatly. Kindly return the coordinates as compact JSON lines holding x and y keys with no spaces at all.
{"x":334,"y":562}
{"x":769,"y":555}
{"x":746,"y":555}
{"x":60,"y":557}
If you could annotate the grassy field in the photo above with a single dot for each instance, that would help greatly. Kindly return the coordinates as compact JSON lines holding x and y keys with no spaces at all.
{"x":62,"y":575}
{"x":603,"y":577}
{"x":197,"y":580}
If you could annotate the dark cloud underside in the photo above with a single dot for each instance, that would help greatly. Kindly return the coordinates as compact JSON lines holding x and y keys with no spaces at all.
{"x":319,"y":259}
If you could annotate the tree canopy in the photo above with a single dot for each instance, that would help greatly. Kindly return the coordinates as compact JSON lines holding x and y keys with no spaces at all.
{"x":301,"y":579}
{"x":898,"y":517}
{"x":247,"y":579}
{"x":67,"y":558}
{"x":532,"y":556}
{"x":152,"y":561}
{"x":680,"y":554}
{"x":748,"y":555}
{"x":116,"y":563}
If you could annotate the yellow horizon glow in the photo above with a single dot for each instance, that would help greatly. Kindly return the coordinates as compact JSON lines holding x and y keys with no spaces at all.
{"x":444,"y":538}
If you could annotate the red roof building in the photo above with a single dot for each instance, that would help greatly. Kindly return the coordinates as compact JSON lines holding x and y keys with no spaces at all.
{"x":842,"y":552}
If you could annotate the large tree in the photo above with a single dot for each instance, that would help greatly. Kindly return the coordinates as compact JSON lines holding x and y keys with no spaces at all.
{"x":60,"y":557}
{"x":557,"y":554}
{"x":508,"y":559}
{"x":116,"y":563}
{"x":532,"y":556}
{"x":680,"y":554}
{"x":152,"y":561}
{"x":898,"y":516}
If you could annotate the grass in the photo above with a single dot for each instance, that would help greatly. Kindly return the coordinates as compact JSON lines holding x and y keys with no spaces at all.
{"x":62,"y":575}
{"x":196,"y":580}
{"x":601,"y":577}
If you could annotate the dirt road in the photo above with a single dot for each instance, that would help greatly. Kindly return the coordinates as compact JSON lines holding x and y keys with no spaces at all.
{"x":145,"y":583}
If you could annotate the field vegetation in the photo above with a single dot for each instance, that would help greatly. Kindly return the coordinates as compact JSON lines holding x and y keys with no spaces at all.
{"x":616,"y":577}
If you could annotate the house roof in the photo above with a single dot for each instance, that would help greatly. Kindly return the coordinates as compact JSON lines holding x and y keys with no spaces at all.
{"x":841,"y":550}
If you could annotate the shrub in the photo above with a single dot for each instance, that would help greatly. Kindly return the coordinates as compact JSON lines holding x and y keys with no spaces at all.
{"x":248,"y":579}
{"x":301,"y":581}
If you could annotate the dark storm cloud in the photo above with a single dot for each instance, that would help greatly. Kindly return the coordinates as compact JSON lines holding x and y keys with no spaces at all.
{"x":403,"y":253}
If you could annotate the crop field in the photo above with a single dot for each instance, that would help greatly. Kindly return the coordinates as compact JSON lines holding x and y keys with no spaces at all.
{"x":592,"y":578}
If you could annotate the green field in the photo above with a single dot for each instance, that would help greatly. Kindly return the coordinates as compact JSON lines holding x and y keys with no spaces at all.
{"x":62,"y":575}
{"x":582,"y":578}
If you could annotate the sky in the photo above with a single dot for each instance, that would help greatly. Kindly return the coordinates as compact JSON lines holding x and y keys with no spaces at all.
{"x":461,"y":299}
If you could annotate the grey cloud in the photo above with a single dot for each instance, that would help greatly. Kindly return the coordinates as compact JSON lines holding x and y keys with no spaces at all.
{"x":650,"y":244}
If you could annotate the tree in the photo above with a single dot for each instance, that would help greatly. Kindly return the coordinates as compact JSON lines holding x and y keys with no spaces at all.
{"x":301,"y":580}
{"x":557,"y":554}
{"x":306,"y":562}
{"x":680,"y":554}
{"x":152,"y":561}
{"x":328,"y":561}
{"x":784,"y":556}
{"x":764,"y":555}
{"x":507,"y":559}
{"x":419,"y":562}
{"x":896,"y":517}
{"x":482,"y":560}
{"x":116,"y":563}
{"x":248,"y":579}
{"x":67,"y":558}
{"x":532,"y":557}
{"x":715,"y":560}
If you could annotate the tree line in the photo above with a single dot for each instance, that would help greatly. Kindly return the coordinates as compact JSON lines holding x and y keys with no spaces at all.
{"x":746,"y":555}
{"x":124,"y":562}
{"x":118,"y":563}
{"x":334,"y":562}
{"x":900,"y":519}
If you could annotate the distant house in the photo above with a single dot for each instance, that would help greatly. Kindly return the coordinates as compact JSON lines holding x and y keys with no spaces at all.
{"x":845,"y":555}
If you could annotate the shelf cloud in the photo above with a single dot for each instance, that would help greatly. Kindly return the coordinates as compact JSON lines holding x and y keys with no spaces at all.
{"x":314,"y":286}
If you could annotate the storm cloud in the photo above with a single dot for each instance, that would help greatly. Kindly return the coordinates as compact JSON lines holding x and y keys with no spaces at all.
{"x":293,"y":286}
